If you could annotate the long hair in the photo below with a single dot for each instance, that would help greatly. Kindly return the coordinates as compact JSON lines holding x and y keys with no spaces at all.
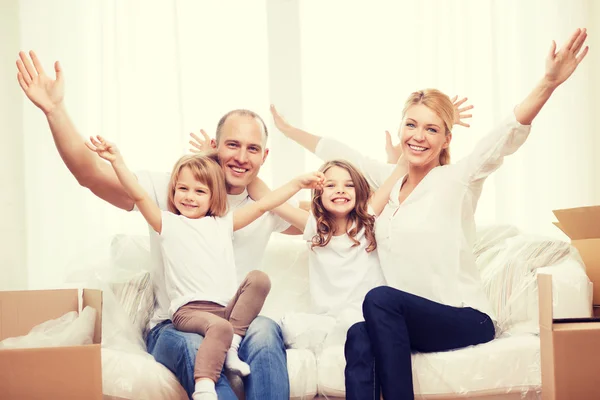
{"x":206,"y":169}
{"x":358,"y":218}
{"x":441,"y":104}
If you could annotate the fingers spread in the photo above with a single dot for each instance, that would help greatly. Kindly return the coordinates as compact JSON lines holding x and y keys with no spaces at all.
{"x":36,"y":63}
{"x":22,"y":82}
{"x":582,"y":55}
{"x":28,"y":65}
{"x":23,"y":71}
{"x":461,"y":101}
{"x":573,"y":39}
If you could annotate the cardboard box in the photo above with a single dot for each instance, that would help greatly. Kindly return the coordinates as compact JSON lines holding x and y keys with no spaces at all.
{"x":51,"y":372}
{"x":582,"y":225}
{"x":569,"y":349}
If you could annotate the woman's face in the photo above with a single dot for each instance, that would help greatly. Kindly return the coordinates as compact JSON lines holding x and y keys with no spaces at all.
{"x":423,"y":136}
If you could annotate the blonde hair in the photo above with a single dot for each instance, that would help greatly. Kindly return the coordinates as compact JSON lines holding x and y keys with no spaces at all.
{"x":359,"y":217}
{"x":441,"y":104}
{"x":206,"y":169}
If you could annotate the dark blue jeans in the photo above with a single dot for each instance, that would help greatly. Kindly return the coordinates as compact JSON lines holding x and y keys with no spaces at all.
{"x":378,"y":351}
{"x":262,"y":348}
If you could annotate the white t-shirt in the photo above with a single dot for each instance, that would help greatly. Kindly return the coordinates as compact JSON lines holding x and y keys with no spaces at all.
{"x":198,"y":259}
{"x":425,"y":244}
{"x":341,"y":273}
{"x":249,"y":243}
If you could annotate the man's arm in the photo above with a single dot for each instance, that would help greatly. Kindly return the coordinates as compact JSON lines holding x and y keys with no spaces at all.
{"x":328,"y":149}
{"x":48,"y":94}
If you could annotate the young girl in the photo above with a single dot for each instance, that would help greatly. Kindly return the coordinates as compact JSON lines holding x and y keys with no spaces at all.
{"x":340,"y":230}
{"x":196,"y":242}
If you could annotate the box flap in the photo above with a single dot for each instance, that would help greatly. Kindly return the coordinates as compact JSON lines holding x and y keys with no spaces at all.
{"x":579,"y":223}
{"x":93,"y":298}
{"x":545,"y":300}
{"x":22,"y":310}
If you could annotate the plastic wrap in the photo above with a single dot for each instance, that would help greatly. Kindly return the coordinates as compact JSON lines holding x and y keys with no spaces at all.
{"x":128,"y":371}
{"x":71,"y":329}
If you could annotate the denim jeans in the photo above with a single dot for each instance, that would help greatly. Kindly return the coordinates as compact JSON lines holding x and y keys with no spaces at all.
{"x":378,"y":350}
{"x":262,"y":348}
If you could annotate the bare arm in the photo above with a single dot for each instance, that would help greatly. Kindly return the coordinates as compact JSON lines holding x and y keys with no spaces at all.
{"x":247,"y":214}
{"x":297,"y":217}
{"x":48,"y":94}
{"x":303,"y":138}
{"x":380,"y":198}
{"x":134,"y":190}
{"x":559,"y":67}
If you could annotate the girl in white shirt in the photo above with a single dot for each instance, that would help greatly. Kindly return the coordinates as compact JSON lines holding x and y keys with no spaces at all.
{"x":196,"y":242}
{"x":435,"y":300}
{"x":340,"y":232}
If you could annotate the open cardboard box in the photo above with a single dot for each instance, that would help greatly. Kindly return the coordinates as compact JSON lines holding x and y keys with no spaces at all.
{"x":50,"y":372}
{"x":569,"y":349}
{"x":582,"y":225}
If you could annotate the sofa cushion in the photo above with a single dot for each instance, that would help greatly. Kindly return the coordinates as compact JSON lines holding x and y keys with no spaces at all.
{"x":508,"y":364}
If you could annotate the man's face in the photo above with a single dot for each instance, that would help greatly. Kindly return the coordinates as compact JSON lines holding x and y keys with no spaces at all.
{"x":241,"y":150}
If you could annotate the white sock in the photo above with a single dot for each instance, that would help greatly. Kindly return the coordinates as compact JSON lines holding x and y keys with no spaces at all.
{"x":232,"y":360}
{"x":205,"y":390}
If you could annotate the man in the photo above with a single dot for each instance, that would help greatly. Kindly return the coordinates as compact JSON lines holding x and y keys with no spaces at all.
{"x":241,"y":145}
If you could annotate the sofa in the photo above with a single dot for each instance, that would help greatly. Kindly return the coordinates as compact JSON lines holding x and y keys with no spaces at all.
{"x":505,"y":368}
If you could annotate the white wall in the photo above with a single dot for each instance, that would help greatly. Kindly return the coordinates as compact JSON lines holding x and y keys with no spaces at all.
{"x":13,"y":271}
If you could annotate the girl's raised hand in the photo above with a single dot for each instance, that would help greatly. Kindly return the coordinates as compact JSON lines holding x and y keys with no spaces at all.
{"x":104,"y":149}
{"x":312,"y":180}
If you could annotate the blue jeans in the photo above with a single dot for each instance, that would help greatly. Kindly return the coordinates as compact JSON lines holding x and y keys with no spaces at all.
{"x":378,"y":351}
{"x":262,"y":348}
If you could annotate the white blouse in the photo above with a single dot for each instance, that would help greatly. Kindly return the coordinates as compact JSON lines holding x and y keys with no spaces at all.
{"x":426,"y":243}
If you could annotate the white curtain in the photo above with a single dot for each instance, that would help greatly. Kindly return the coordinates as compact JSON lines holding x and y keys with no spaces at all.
{"x":146,"y":73}
{"x":361,"y":60}
{"x":143,"y":74}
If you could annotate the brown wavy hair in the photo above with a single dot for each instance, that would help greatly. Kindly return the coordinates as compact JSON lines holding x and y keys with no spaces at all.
{"x":359,"y":217}
{"x":441,"y":104}
{"x":206,"y":169}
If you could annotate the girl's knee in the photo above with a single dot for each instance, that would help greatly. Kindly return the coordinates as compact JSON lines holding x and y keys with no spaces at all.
{"x":260,"y":282}
{"x":221,"y":329}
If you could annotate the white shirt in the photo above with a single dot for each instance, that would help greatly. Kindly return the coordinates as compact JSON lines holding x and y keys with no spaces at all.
{"x":198,"y":259}
{"x":425,"y":244}
{"x":249,"y":243}
{"x":341,"y":273}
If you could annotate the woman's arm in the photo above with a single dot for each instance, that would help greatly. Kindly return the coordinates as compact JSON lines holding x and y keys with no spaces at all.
{"x":559,"y":67}
{"x":134,"y":190}
{"x":247,"y":214}
{"x":380,"y":198}
{"x":297,"y":217}
{"x":505,"y":139}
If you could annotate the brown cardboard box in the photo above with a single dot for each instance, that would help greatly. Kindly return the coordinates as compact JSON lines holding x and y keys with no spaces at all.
{"x":51,"y":372}
{"x":582,"y":225}
{"x":570,"y":351}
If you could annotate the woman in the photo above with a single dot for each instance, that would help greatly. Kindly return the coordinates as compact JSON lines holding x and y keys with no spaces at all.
{"x":425,"y":235}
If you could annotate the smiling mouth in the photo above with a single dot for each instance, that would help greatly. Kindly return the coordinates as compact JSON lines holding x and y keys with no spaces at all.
{"x":340,"y":200}
{"x":189,"y":205}
{"x":417,"y":148}
{"x":237,"y":170}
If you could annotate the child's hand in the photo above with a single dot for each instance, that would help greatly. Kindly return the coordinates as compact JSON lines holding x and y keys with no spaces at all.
{"x":312,"y":180}
{"x":104,"y":149}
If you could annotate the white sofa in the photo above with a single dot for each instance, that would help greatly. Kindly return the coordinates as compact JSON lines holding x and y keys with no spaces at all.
{"x":506,"y":368}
